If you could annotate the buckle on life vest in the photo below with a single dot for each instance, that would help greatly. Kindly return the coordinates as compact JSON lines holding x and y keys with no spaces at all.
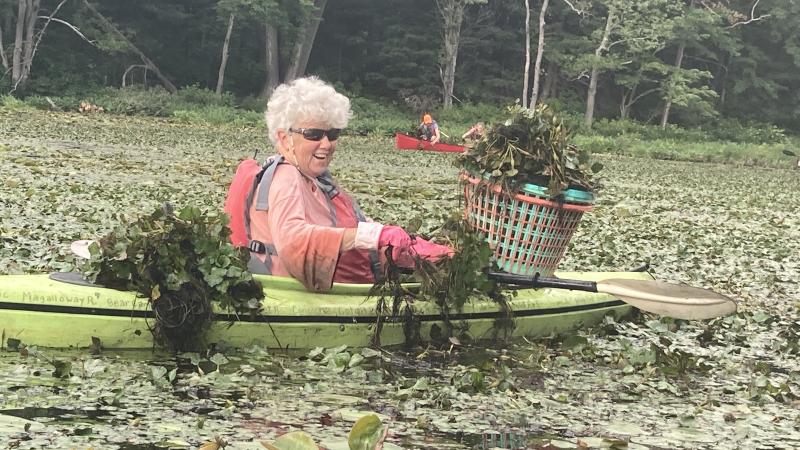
{"x":257,"y":247}
{"x":261,"y":248}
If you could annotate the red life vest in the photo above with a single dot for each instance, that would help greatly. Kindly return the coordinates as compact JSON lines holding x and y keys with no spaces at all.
{"x":249,"y":174}
{"x":241,"y":195}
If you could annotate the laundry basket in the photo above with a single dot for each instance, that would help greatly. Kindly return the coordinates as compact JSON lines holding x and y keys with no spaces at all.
{"x":528,"y":230}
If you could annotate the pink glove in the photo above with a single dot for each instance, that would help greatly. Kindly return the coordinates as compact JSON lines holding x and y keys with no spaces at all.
{"x":430,"y":251}
{"x":394,"y":236}
{"x":402,"y":257}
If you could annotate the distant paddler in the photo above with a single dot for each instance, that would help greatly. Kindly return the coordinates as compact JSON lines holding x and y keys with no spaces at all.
{"x":300,"y":222}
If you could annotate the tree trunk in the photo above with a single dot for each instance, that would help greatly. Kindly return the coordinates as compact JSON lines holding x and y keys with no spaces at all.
{"x":678,"y":63}
{"x":627,"y":102}
{"x":3,"y":58}
{"x":224,"y":62}
{"x":110,"y":27}
{"x":527,"y":53}
{"x":537,"y":68}
{"x":452,"y":12}
{"x":19,"y":36}
{"x":550,"y":81}
{"x":723,"y":82}
{"x":598,"y":53}
{"x":668,"y":103}
{"x":27,"y":58}
{"x":302,"y":49}
{"x":272,"y":61}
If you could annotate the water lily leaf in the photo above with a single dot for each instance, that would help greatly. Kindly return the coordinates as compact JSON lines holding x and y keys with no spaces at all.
{"x":211,"y":445}
{"x":574,"y":342}
{"x":316,"y":353}
{"x":367,"y":352}
{"x":295,"y":440}
{"x":13,"y":344}
{"x":366,"y":433}
{"x":219,"y":359}
{"x":355,"y":360}
{"x":62,"y":369}
{"x":157,"y":373}
{"x":12,"y":424}
{"x":337,"y":399}
{"x":353,"y":415}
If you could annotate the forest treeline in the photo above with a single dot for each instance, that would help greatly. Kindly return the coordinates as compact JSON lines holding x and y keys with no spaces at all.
{"x":685,"y":62}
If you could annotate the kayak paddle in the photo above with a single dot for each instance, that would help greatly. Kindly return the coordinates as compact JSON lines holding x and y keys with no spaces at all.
{"x":81,"y":248}
{"x":658,"y":297}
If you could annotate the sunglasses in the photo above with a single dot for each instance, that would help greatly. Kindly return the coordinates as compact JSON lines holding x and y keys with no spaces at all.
{"x":316,"y":134}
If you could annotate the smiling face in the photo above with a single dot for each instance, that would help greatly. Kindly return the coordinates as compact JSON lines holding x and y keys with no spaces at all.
{"x":312,"y":158}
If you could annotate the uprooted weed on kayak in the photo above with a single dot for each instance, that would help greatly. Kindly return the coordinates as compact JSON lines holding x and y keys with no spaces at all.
{"x":181,"y":263}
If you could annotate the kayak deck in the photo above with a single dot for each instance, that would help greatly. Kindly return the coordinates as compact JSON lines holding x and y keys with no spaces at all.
{"x":37,"y":310}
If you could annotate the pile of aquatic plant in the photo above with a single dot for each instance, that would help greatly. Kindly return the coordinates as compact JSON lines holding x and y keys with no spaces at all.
{"x":530,"y":146}
{"x":182,"y":264}
{"x":449,"y":282}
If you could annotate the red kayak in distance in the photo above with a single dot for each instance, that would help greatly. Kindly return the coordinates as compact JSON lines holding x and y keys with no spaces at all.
{"x":406,"y":142}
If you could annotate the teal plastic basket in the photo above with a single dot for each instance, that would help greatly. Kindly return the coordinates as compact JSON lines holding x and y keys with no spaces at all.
{"x":528,"y":230}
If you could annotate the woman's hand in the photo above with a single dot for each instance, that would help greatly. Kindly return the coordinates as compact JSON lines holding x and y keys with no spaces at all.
{"x":430,"y":251}
{"x":394,"y":236}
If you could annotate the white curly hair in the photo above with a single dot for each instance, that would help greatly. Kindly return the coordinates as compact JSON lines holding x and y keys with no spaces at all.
{"x":306,"y":99}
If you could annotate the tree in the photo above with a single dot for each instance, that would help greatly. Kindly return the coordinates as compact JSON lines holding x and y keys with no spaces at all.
{"x":700,"y":26}
{"x":304,"y":43}
{"x":224,"y":60}
{"x":304,"y":18}
{"x":642,"y":72}
{"x":527,"y":53}
{"x":452,"y":14}
{"x":537,"y":67}
{"x":596,"y":66}
{"x":27,"y":38}
{"x":112,"y":29}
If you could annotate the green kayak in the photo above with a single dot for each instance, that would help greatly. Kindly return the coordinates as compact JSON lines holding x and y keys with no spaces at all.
{"x":40,"y":310}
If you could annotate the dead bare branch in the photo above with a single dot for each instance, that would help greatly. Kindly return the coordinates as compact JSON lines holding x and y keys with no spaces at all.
{"x":71,"y":27}
{"x":124,"y":75}
{"x":577,"y":11}
{"x":752,"y":18}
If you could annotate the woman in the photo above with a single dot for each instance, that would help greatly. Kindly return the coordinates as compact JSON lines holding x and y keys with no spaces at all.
{"x":315,"y":232}
{"x":429,"y":129}
{"x":474,"y":133}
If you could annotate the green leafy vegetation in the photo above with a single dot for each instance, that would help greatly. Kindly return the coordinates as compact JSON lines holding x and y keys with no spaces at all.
{"x":183,"y":264}
{"x":530,"y":146}
{"x":449,"y":282}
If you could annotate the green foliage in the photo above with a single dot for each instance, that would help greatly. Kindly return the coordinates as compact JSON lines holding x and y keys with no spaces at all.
{"x":219,"y":115}
{"x":449,"y":283}
{"x":294,"y":440}
{"x":190,"y":104}
{"x":453,"y":281}
{"x":531,"y":146}
{"x":12,"y":103}
{"x":197,"y":96}
{"x":181,"y":264}
{"x":726,"y":130}
{"x":366,"y":433}
{"x":377,"y":117}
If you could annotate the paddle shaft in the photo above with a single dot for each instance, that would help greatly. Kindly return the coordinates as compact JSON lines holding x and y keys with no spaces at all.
{"x":544,"y":282}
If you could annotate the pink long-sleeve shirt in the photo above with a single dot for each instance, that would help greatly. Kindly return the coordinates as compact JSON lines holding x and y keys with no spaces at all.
{"x":306,"y":235}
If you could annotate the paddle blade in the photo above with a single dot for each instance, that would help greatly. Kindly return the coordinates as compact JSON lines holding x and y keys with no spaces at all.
{"x":669,"y":299}
{"x":81,"y":248}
